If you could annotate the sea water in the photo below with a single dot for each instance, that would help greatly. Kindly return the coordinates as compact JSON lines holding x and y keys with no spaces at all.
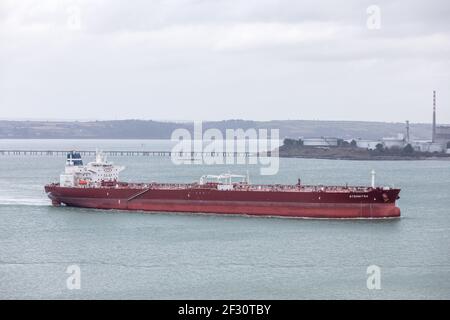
{"x":134,"y":255}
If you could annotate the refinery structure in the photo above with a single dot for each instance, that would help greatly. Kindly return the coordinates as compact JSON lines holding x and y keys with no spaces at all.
{"x":440,"y":136}
{"x":439,"y":142}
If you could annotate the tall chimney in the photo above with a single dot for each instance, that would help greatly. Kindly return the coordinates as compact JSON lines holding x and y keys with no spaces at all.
{"x":433,"y":138}
{"x":407,"y":131}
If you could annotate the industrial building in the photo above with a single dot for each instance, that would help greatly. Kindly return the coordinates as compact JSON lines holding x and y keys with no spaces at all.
{"x":442,"y":134}
{"x":440,"y":137}
{"x":367,"y":144}
{"x":395,"y":142}
{"x":427,"y":146}
{"x":320,"y":142}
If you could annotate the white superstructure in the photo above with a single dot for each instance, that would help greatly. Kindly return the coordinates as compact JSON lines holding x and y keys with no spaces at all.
{"x":92,"y":174}
{"x":224,"y":181}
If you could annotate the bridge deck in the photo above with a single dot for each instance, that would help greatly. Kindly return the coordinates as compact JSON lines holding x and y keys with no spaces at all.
{"x":115,"y":153}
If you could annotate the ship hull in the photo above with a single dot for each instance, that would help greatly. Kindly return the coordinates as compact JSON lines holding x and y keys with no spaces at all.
{"x":287,"y":204}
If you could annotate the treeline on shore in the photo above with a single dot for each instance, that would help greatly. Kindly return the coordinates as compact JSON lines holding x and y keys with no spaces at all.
{"x":349,"y":150}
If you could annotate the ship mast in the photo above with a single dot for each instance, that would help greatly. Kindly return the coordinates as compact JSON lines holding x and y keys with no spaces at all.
{"x":373,"y":178}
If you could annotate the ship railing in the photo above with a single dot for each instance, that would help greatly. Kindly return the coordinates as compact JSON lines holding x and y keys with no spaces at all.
{"x":304,"y":188}
{"x":154,"y":185}
{"x":247,"y":187}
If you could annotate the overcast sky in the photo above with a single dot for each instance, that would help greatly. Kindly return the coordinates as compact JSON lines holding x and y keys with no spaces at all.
{"x":224,"y":59}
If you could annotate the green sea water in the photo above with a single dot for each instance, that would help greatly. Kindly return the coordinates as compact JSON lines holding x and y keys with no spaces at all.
{"x":133,"y":255}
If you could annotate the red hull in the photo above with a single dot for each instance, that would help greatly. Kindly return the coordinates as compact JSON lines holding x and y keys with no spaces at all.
{"x":374,"y":204}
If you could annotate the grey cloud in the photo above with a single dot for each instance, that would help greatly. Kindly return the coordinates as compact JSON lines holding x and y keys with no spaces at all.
{"x":184,"y":59}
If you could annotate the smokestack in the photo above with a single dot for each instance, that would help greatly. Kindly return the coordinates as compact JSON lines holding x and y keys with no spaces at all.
{"x":433,"y":138}
{"x":407,"y":131}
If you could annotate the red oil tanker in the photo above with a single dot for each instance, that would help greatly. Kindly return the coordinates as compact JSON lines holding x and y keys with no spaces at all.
{"x":97,"y":185}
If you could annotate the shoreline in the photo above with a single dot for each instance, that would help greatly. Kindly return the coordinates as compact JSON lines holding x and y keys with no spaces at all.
{"x":358,"y":154}
{"x":445,"y":158}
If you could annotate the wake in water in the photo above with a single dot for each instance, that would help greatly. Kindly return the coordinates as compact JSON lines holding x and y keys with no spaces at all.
{"x":25,"y":201}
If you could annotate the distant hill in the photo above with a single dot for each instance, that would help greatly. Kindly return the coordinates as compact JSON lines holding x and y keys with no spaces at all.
{"x":354,"y":153}
{"x":148,"y":129}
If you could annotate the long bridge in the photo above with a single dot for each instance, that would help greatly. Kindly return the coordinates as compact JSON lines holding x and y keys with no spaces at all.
{"x":131,"y":153}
